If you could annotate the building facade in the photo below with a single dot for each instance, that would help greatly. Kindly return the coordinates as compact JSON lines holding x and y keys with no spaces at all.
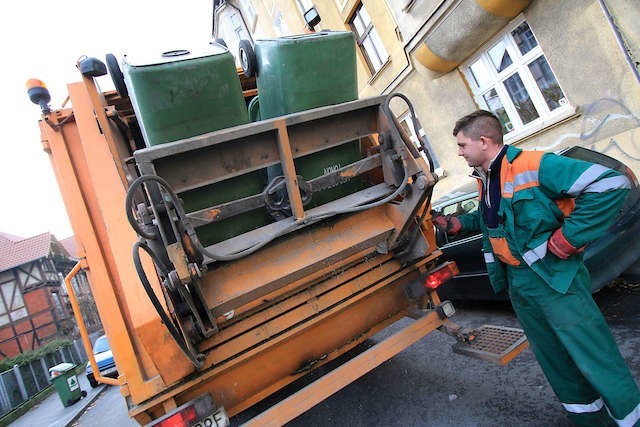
{"x":556,"y":73}
{"x":34,"y":304}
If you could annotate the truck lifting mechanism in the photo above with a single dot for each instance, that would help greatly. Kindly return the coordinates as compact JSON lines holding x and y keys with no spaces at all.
{"x":249,"y":278}
{"x":167,"y":233}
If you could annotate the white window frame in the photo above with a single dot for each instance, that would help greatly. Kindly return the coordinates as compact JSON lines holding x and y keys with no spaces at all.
{"x":251,"y":14}
{"x":371,"y":34}
{"x":520,"y":65}
{"x":304,"y":6}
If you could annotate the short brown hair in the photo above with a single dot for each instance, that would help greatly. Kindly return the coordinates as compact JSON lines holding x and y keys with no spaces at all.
{"x":480,"y":123}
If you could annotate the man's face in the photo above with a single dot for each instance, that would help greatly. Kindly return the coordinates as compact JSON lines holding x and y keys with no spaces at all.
{"x":473,"y":150}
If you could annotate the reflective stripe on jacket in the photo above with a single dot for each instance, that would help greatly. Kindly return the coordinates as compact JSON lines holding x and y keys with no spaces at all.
{"x":542,"y":192}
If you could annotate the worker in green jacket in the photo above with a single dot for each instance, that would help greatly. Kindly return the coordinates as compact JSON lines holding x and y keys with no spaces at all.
{"x":537,"y":212}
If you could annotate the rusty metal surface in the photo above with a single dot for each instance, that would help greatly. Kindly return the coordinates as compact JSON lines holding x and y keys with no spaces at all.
{"x":236,"y":283}
{"x":313,"y":301}
{"x":318,"y":330}
{"x":290,"y":224}
{"x":260,"y":311}
{"x":323,"y":182}
{"x":289,"y":170}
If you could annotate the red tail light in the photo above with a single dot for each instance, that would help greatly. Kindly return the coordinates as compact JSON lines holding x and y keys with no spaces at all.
{"x":183,"y":418}
{"x":440,"y":275}
{"x":200,"y":411}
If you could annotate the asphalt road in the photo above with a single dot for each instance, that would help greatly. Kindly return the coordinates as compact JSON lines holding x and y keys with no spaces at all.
{"x":109,"y":409}
{"x":429,"y":385}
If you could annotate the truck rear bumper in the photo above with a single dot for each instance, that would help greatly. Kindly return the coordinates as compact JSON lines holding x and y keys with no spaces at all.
{"x":340,"y":377}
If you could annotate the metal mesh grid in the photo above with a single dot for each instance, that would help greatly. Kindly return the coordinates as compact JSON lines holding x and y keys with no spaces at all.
{"x":496,"y":344}
{"x":494,"y":339}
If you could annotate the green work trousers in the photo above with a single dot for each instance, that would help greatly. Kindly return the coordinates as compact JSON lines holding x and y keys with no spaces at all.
{"x":575,"y":349}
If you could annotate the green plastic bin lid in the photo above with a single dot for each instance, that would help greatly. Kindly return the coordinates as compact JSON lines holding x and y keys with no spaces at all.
{"x":307,"y":36}
{"x":61,"y":368}
{"x":147,"y":58}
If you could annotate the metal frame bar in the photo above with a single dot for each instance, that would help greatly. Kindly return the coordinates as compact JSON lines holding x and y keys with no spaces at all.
{"x":230,"y":209}
{"x":289,"y":170}
{"x":210,"y":158}
{"x":83,"y":327}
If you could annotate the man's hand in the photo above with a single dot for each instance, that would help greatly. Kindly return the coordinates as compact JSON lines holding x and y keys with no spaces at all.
{"x":560,"y":246}
{"x":448,"y":224}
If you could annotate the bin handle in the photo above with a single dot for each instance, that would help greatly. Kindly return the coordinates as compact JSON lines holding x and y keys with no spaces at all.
{"x":83,"y":328}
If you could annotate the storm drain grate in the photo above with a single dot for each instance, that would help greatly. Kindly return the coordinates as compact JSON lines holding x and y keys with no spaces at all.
{"x":498,"y":344}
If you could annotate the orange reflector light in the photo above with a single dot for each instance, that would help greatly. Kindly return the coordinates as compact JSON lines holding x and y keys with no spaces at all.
{"x":31,"y":83}
{"x":183,"y":418}
{"x":441,"y":274}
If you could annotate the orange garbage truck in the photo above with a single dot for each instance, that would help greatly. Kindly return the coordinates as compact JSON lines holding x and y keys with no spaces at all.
{"x":222,"y":266}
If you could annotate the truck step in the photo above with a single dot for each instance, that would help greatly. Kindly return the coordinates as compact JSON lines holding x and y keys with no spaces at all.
{"x":497,"y":344}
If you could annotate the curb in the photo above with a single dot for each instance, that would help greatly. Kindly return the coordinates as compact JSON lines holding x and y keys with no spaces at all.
{"x":85,"y":405}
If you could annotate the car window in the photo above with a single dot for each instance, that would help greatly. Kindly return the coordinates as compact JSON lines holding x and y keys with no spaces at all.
{"x":101,"y":345}
{"x":461,"y":207}
{"x":457,"y":208}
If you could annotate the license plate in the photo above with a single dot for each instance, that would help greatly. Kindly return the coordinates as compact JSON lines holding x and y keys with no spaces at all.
{"x":217,"y":419}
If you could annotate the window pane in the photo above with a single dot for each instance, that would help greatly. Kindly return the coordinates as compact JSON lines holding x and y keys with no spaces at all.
{"x":371,"y":53}
{"x":357,"y":22}
{"x":494,"y":104}
{"x":480,"y":74}
{"x":365,"y":16}
{"x":377,"y":43}
{"x":521,"y":99}
{"x":547,"y":83}
{"x":524,"y":38}
{"x":500,"y":57}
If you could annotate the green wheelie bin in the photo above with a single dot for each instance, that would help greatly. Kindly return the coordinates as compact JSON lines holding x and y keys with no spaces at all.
{"x":186,"y":92}
{"x":64,"y":380}
{"x":183,"y":93}
{"x":302,"y":72}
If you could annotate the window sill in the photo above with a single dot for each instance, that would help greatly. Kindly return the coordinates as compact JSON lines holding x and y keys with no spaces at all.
{"x":380,"y":71}
{"x":564,"y":114}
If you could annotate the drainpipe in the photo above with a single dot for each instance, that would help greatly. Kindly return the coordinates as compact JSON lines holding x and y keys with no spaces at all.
{"x":621,"y":45}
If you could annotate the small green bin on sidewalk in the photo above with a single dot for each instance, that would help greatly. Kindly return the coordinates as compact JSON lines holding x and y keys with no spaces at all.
{"x":64,"y":379}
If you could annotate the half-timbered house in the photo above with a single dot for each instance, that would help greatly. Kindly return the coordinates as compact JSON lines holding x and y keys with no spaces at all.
{"x":33,"y":309}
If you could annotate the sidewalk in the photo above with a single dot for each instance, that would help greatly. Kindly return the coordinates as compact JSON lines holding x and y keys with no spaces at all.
{"x":50,"y":412}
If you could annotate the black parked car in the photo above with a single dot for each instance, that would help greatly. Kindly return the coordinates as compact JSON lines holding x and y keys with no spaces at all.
{"x":617,"y":252}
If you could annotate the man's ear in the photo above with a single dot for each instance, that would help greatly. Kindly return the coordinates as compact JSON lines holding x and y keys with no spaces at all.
{"x":487,"y":141}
